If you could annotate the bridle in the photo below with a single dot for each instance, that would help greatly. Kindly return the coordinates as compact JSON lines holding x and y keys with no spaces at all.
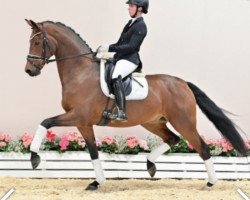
{"x":31,"y":58}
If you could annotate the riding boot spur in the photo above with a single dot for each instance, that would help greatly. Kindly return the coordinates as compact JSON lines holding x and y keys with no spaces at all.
{"x":120,"y":99}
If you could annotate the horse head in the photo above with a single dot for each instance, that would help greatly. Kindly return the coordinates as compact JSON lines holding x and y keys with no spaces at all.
{"x":41,"y":48}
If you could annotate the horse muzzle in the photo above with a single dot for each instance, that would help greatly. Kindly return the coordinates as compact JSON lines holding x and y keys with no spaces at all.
{"x":33,"y":71}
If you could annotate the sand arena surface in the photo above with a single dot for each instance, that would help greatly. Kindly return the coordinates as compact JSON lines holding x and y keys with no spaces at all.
{"x":70,"y":189}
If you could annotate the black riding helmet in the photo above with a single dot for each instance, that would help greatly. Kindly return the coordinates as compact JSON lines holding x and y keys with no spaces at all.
{"x":140,"y":3}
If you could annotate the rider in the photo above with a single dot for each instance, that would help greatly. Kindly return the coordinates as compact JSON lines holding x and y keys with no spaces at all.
{"x":127,"y":48}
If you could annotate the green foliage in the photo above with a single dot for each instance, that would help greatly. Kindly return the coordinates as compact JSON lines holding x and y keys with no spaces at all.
{"x":109,"y":148}
{"x":181,"y":147}
{"x":51,"y":146}
{"x":8,"y":148}
{"x":230,"y":153}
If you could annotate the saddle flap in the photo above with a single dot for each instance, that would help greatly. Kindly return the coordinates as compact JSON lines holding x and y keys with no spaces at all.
{"x":109,"y":69}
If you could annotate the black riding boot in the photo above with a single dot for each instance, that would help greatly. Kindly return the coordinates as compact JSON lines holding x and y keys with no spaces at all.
{"x":120,"y":99}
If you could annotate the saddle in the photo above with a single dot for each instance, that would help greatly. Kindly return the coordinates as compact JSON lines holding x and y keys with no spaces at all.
{"x":126,"y":81}
{"x":135,"y":84}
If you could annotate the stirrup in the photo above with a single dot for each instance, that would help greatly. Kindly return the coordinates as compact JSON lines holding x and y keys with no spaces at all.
{"x":121,"y":116}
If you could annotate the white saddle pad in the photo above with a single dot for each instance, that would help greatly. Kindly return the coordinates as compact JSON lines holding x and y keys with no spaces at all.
{"x":138,"y":92}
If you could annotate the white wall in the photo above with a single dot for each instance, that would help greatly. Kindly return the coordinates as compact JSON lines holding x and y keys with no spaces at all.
{"x":203,"y":41}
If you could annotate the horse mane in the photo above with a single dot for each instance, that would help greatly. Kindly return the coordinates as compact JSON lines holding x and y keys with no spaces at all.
{"x":70,"y":30}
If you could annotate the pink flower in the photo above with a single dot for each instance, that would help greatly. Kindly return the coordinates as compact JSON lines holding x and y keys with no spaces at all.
{"x":5,"y":137}
{"x":64,"y":142}
{"x":2,"y":136}
{"x":2,"y":144}
{"x":225,"y":144}
{"x":73,"y":136}
{"x":213,"y":142}
{"x":26,"y":139}
{"x":107,"y":139}
{"x":8,"y":138}
{"x":51,"y":136}
{"x":143,"y":144}
{"x":132,"y":141}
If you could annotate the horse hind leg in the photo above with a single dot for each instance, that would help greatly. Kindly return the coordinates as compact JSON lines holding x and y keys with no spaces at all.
{"x":187,"y":128}
{"x":169,"y":139}
{"x":202,"y":148}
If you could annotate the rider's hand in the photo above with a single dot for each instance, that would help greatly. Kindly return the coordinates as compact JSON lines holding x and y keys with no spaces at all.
{"x":103,"y":48}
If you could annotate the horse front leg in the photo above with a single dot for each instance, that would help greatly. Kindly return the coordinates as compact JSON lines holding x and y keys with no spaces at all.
{"x":88,"y":134}
{"x":66,"y":119}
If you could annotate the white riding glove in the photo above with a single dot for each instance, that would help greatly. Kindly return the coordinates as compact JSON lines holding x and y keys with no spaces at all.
{"x":103,"y":48}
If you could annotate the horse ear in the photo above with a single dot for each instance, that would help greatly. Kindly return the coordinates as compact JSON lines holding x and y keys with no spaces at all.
{"x":28,"y":22}
{"x":33,"y":24}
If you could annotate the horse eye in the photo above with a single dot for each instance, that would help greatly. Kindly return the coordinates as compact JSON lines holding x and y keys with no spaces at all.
{"x":37,"y":43}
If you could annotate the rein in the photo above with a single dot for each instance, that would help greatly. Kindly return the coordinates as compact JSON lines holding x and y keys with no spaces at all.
{"x":68,"y":57}
{"x":46,"y":45}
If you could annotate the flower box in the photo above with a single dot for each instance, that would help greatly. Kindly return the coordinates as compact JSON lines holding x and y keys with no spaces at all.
{"x":75,"y":164}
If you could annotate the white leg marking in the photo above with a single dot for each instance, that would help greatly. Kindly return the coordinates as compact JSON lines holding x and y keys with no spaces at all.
{"x":98,"y":171}
{"x":158,"y":151}
{"x":210,"y":171}
{"x":37,"y":141}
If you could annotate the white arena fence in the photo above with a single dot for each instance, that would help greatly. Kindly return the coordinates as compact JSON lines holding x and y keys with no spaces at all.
{"x":78,"y":165}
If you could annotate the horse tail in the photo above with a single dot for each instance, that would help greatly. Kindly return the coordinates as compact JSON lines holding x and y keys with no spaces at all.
{"x":219,"y":119}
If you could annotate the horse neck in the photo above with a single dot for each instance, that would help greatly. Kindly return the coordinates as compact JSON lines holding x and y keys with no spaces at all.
{"x":74,"y":70}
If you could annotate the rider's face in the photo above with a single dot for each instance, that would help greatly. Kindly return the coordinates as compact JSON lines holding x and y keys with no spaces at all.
{"x":132,"y":9}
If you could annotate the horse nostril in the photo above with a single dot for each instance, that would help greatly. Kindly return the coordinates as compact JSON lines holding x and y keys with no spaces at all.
{"x":28,"y":71}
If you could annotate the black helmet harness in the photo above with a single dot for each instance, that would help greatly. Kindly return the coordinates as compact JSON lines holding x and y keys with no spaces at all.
{"x":137,"y":7}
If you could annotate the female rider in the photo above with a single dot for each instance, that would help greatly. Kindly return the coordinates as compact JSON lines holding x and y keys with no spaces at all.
{"x":126,"y":57}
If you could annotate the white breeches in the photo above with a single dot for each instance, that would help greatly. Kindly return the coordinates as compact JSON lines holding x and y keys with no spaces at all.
{"x":123,"y":68}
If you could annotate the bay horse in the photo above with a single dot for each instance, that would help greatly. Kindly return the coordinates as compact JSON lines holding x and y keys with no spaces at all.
{"x":170,"y":100}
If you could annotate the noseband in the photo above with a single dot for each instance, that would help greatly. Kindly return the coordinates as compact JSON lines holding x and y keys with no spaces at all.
{"x":31,"y":58}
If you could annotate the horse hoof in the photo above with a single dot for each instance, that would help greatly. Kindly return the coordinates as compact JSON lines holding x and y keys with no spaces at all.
{"x":35,"y":160}
{"x":93,"y":186}
{"x":151,"y":168}
{"x":208,"y":186}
